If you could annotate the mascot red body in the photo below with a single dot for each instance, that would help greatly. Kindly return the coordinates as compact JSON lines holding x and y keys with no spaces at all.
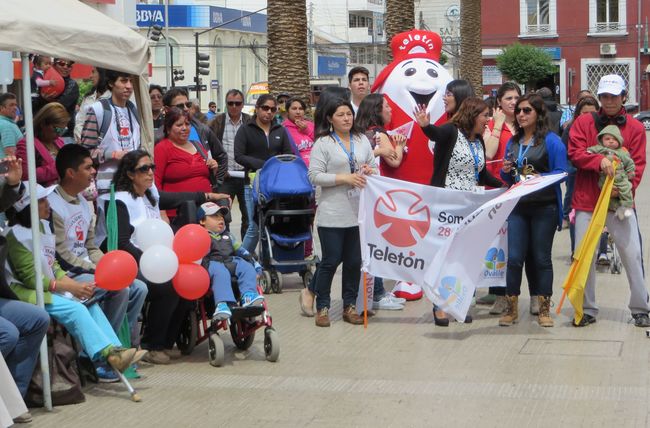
{"x":415,"y":77}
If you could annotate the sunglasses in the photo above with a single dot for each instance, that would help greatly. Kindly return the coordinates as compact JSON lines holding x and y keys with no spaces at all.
{"x":145,"y":168}
{"x":183,"y":105}
{"x":64,"y":64}
{"x":235,"y":103}
{"x":526,"y":110}
{"x":269,"y":108}
{"x":155,"y":97}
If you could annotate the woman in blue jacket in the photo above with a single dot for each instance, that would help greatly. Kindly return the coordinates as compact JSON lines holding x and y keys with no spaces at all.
{"x":534,"y":150}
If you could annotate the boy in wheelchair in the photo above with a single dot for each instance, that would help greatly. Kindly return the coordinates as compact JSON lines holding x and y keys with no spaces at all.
{"x":227,"y":258}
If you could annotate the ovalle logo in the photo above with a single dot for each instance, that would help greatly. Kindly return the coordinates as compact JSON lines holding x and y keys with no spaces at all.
{"x":407,"y":216}
{"x":495,"y":259}
{"x":450,"y":290}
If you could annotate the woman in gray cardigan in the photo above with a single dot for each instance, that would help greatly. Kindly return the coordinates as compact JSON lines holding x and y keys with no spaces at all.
{"x":340,"y":160}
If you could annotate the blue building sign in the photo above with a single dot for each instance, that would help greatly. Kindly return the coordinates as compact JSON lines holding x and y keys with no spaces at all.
{"x":199,"y":16}
{"x":331,"y":66}
{"x":554,"y":52}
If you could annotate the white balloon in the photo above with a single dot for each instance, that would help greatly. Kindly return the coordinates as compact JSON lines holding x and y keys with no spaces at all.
{"x":152,"y":232}
{"x":158,"y":264}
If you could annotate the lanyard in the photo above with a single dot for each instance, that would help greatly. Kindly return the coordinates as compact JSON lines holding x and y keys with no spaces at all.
{"x":477,"y":160}
{"x":117,"y":119}
{"x":522,"y":155}
{"x":349,"y":154}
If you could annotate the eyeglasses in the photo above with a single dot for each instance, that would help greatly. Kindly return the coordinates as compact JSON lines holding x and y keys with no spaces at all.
{"x":526,"y":110}
{"x":145,"y":168}
{"x":183,"y":105}
{"x":269,"y":108}
{"x":234,"y":103}
{"x":155,"y":97}
{"x":64,"y":63}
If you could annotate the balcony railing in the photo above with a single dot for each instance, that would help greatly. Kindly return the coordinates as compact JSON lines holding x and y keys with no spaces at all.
{"x":605,"y":27}
{"x":538,"y":29}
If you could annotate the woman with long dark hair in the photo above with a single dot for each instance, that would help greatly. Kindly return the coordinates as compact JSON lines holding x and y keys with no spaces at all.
{"x":340,"y":160}
{"x":99,"y":90}
{"x":533,"y":150}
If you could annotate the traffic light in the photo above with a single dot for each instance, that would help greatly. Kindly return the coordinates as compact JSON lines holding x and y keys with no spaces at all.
{"x":155,"y":32}
{"x":202,"y":64}
{"x":179,"y":75}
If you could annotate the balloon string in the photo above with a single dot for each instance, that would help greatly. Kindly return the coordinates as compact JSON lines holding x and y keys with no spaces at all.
{"x":111,"y":222}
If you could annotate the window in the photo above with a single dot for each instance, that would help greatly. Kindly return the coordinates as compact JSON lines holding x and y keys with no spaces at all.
{"x":159,"y":53}
{"x":607,"y":17}
{"x":360,"y":21}
{"x":366,"y":55}
{"x":594,"y":69}
{"x":538,"y":18}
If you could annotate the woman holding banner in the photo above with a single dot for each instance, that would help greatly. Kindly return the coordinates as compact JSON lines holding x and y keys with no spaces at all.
{"x":459,"y":156}
{"x":534,"y":150}
{"x":340,"y":160}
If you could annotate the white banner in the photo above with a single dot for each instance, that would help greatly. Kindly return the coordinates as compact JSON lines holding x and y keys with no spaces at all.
{"x":404,"y":225}
{"x":452,"y":277}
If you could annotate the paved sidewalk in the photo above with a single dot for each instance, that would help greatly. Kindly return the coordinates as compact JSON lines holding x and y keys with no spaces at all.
{"x":403,"y":371}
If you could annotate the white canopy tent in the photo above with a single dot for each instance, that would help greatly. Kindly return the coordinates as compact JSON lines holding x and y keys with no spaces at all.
{"x":72,"y":30}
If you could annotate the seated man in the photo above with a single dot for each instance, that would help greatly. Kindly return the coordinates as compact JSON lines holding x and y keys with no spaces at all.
{"x":22,"y":326}
{"x":76,"y":249}
{"x":225,"y":255}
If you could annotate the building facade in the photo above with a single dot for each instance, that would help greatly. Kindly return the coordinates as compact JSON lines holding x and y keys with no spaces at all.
{"x":586,"y":39}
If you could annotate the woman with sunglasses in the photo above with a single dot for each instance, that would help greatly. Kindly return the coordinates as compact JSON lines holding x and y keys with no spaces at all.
{"x":533,"y":150}
{"x":458,"y":157}
{"x":255,"y":142}
{"x":181,"y":165}
{"x":137,"y":199}
{"x":50,"y":124}
{"x":340,"y":160}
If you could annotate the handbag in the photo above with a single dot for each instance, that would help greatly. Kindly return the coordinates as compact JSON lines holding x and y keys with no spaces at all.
{"x":203,"y":152}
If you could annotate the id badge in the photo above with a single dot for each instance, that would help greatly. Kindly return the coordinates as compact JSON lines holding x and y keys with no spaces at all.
{"x":354,"y":195}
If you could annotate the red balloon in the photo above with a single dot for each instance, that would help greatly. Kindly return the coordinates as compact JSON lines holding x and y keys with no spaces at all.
{"x":59,"y":83}
{"x":192,"y":281}
{"x":116,"y":270}
{"x":191,"y":243}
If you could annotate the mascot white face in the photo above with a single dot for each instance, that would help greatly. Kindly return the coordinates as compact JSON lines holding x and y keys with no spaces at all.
{"x":418,"y":81}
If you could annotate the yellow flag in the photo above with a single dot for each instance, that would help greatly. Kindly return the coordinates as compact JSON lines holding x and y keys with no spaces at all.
{"x":574,"y":284}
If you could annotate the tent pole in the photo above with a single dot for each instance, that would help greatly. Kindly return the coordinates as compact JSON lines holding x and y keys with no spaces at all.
{"x":36,"y":234}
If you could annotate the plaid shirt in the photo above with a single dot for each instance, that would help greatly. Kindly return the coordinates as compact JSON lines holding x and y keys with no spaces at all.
{"x":229,"y":131}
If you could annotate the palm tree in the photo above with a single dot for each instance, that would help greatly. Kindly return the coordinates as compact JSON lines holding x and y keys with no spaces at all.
{"x":287,"y":47}
{"x":471,"y":59}
{"x":400,"y":17}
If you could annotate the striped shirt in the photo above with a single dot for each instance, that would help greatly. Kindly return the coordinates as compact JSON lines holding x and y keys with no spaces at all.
{"x":229,"y":131}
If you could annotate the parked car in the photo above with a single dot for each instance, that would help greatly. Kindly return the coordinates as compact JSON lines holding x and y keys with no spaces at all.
{"x":644,"y":117}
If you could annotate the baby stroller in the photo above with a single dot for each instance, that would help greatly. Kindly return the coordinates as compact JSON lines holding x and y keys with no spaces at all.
{"x":284,"y":199}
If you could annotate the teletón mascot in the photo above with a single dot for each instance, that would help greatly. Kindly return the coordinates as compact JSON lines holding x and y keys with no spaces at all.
{"x":414,"y":77}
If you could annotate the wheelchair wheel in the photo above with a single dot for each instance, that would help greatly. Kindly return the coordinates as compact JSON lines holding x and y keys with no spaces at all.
{"x":276,"y":281}
{"x":265,"y":282}
{"x":216,"y":352}
{"x":271,"y":345}
{"x":241,"y":343}
{"x":306,"y":278}
{"x":189,"y":332}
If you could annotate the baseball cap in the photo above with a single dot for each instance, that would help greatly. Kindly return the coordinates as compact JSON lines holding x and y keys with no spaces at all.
{"x":41,"y":192}
{"x":611,"y":84}
{"x":210,"y":208}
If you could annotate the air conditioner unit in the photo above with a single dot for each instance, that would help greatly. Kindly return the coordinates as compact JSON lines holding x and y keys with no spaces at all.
{"x":608,"y":48}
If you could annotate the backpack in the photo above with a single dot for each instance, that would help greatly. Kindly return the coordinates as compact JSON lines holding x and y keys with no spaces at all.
{"x":106,"y":117}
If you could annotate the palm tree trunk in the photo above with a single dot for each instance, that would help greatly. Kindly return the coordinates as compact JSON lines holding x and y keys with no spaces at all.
{"x":400,"y":17}
{"x":471,"y":59}
{"x":287,"y":47}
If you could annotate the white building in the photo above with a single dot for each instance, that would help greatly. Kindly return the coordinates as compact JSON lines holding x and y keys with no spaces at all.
{"x":442,"y":17}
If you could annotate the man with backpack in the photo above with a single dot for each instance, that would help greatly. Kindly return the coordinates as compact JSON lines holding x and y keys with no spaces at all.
{"x":584,"y":134}
{"x":112,"y":127}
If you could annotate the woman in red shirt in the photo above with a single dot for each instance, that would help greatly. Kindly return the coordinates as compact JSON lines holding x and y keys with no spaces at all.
{"x":502,"y":126}
{"x":182,"y":165}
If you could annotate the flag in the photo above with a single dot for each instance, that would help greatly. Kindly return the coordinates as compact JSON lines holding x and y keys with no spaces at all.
{"x":452,"y":277}
{"x":576,"y":279}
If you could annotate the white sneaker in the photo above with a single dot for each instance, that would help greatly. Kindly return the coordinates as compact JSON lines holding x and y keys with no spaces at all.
{"x":387,"y":303}
{"x":396,"y":299}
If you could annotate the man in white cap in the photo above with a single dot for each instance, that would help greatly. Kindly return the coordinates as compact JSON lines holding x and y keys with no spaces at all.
{"x":584,"y":133}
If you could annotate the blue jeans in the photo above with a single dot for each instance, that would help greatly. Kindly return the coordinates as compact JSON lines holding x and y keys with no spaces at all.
{"x":252,"y":233}
{"x":116,"y":305}
{"x":531,"y":229}
{"x":220,"y":279}
{"x":339,"y":245}
{"x":22,"y":328}
{"x":379,"y":290}
{"x":86,"y":324}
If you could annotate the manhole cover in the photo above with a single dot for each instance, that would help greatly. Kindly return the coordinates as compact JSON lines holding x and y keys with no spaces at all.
{"x":573,"y":348}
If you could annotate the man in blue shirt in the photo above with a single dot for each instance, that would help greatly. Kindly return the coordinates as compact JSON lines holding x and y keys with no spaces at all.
{"x":212,"y":110}
{"x":9,"y":132}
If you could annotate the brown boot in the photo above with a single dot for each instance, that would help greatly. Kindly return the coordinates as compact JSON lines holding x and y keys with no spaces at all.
{"x":544,"y":318}
{"x":322,"y":318}
{"x":512,"y":313}
{"x":350,"y":315}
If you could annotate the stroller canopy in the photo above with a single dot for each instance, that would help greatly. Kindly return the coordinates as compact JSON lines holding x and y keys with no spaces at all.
{"x":282,"y":176}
